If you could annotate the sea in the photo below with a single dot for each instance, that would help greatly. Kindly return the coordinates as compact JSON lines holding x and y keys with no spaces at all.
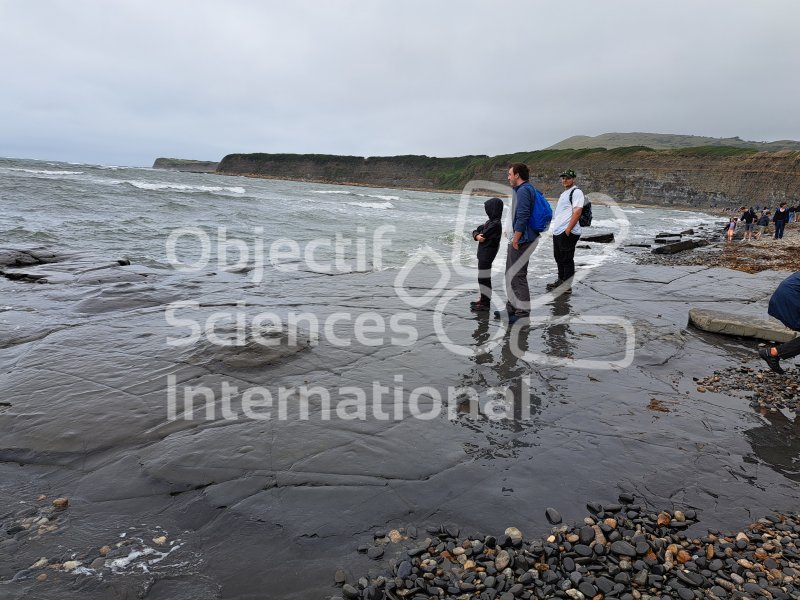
{"x":135,"y":212}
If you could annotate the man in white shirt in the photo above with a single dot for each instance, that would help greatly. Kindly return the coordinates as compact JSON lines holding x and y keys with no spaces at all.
{"x":566,"y":231}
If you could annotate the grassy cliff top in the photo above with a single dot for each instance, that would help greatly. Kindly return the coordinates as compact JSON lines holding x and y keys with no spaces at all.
{"x":666,"y":141}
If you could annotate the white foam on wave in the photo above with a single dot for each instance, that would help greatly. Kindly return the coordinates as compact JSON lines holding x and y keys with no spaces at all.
{"x":631,"y":210}
{"x":381,"y":205}
{"x":349,"y":193}
{"x":44,"y":172}
{"x":180,"y":187}
{"x":605,"y":223}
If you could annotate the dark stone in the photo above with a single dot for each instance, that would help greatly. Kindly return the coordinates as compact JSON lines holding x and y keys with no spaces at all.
{"x":599,"y":238}
{"x":594,"y":507}
{"x":349,"y":591}
{"x":752,"y":588}
{"x":604,"y":585}
{"x":586,"y":535}
{"x":516,"y":589}
{"x":490,"y":581}
{"x":623,"y":548}
{"x":716,"y":565}
{"x":693,"y":579}
{"x":490,"y":541}
{"x":582,"y":550}
{"x":575,"y":577}
{"x":404,"y":569}
{"x":642,"y":548}
{"x":685,"y":593}
{"x":553,"y":516}
{"x":587,"y":589}
{"x":549,"y":577}
{"x":568,"y":564}
{"x":375,"y":552}
{"x":466,"y":587}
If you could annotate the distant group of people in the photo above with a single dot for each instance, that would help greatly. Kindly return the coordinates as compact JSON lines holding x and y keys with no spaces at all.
{"x":750,"y":219}
{"x":566,"y":230}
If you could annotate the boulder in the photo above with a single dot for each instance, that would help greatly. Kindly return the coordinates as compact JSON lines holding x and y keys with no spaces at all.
{"x":740,"y":325}
{"x":598,"y":238}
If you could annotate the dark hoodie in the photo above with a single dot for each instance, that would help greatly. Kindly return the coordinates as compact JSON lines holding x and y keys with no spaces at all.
{"x":785,"y":302}
{"x":492,"y":229}
{"x":781,"y":214}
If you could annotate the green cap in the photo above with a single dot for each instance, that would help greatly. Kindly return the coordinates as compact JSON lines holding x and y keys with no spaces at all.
{"x":569,"y":173}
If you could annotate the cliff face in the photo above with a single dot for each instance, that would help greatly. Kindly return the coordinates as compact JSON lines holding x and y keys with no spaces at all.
{"x":764,"y":178}
{"x":182,"y":164}
{"x":701,"y":178}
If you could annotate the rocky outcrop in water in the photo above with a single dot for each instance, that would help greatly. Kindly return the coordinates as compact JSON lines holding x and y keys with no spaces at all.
{"x":190,"y":166}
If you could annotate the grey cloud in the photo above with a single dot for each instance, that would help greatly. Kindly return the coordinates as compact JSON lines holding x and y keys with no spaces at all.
{"x":124,"y":83}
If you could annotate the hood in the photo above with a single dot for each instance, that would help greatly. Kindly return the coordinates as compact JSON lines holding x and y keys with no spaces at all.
{"x":494,"y":208}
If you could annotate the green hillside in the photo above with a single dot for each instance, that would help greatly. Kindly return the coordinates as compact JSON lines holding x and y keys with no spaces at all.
{"x":667,"y":141}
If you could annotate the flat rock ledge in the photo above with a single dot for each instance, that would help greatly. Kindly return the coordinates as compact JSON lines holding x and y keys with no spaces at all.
{"x":740,"y":325}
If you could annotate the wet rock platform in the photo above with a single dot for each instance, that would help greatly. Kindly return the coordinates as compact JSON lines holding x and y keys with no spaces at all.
{"x":225,"y":507}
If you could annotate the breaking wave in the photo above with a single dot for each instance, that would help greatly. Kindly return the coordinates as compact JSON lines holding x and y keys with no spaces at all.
{"x":180,"y":187}
{"x":347,"y":193}
{"x":44,"y":172}
{"x":381,"y":205}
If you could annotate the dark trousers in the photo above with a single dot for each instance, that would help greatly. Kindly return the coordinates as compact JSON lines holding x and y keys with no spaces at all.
{"x":564,"y":253}
{"x":790,"y":349}
{"x":485,"y":276}
{"x":779,"y":225}
{"x":517,"y":291}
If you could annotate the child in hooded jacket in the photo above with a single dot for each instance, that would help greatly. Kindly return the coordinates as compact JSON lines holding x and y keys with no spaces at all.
{"x":488,"y":237}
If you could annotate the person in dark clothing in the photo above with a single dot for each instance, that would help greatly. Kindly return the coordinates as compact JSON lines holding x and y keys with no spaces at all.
{"x":780,"y":218}
{"x":748,"y":217}
{"x":784,"y":306}
{"x":523,"y":243}
{"x":488,"y":237}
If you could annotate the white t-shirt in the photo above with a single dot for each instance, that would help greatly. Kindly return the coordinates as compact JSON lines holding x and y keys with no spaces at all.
{"x":563,"y":212}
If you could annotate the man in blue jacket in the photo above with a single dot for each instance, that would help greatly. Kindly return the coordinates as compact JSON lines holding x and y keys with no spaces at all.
{"x":784,"y":306}
{"x":523,"y":243}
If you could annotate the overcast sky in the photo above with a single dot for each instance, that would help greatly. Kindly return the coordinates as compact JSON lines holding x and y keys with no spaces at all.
{"x":123,"y":82}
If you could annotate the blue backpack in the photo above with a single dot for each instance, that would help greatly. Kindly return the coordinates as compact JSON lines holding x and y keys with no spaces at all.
{"x":542,"y":214}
